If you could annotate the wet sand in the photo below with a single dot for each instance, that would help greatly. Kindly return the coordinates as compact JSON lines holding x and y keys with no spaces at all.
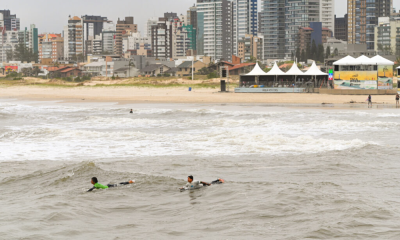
{"x":179,"y":95}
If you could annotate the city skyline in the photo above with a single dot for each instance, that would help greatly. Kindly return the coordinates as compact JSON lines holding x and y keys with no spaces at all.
{"x":55,"y":20}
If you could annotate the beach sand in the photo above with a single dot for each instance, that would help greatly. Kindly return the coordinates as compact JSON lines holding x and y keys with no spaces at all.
{"x":179,"y":95}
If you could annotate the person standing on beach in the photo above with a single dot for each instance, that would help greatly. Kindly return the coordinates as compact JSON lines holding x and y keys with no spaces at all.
{"x":369,"y":100}
{"x":397,"y":100}
{"x":131,"y":111}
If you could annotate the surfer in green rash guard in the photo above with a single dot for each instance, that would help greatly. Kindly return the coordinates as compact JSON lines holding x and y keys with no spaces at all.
{"x":97,"y":185}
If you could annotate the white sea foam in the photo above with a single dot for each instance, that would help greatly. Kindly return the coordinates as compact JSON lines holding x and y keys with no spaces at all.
{"x":71,"y":144}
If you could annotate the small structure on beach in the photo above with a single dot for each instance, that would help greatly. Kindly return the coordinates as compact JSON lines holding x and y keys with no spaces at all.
{"x":363,"y":73}
{"x":275,"y":80}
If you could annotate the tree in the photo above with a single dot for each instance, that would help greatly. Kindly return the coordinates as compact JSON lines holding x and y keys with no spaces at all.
{"x":24,"y":54}
{"x":328,"y":52}
{"x":292,"y":56}
{"x":308,"y":52}
{"x":320,"y":53}
{"x":314,"y":50}
{"x":252,"y":60}
{"x":298,"y":56}
{"x":10,"y":55}
{"x":303,"y":56}
{"x":78,"y":57}
{"x":335,"y":52}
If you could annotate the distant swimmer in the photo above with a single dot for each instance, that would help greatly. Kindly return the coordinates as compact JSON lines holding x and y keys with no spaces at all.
{"x":131,"y":111}
{"x":97,"y":185}
{"x":198,"y":184}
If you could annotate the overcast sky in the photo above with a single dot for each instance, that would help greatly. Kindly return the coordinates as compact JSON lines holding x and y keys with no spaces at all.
{"x":52,"y":15}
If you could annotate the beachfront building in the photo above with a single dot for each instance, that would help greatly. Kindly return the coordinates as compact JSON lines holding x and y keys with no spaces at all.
{"x":363,"y":73}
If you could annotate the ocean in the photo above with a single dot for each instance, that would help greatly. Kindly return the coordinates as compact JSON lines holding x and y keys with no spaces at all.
{"x":290,"y":171}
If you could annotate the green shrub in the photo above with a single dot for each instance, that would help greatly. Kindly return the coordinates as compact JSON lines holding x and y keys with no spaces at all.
{"x":159,"y":75}
{"x":212,"y":75}
{"x":167,"y":75}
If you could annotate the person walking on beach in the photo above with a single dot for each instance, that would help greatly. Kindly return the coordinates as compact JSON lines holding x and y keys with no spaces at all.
{"x":131,"y":111}
{"x":369,"y":100}
{"x":397,"y":100}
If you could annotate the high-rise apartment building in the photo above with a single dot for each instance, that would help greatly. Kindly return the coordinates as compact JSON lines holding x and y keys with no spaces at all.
{"x":161,"y":39}
{"x":362,"y":18}
{"x":192,"y":17}
{"x":272,"y":25}
{"x":51,"y":46}
{"x":244,"y":17}
{"x":11,"y":22}
{"x":73,"y":38}
{"x":150,"y":22}
{"x":124,"y":28}
{"x":280,"y":21}
{"x":341,"y":28}
{"x":327,"y":14}
{"x":214,"y":29}
{"x":387,"y":36}
{"x":250,"y":47}
{"x":8,"y":40}
{"x":30,"y":38}
{"x":92,"y":27}
{"x":108,"y":38}
{"x":298,"y":14}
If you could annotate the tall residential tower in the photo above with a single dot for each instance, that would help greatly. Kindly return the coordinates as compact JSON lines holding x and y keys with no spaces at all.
{"x":363,"y":17}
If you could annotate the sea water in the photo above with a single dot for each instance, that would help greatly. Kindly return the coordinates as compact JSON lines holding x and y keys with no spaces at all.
{"x":291,"y":172}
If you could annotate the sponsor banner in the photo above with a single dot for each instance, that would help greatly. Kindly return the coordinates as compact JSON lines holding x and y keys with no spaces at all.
{"x":355,"y":80}
{"x":355,"y":84}
{"x":385,"y":77}
{"x":269,"y":90}
{"x":11,"y":68}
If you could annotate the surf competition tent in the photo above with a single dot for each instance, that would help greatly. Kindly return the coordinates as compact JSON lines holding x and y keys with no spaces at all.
{"x":363,"y":73}
{"x":276,"y":80}
{"x":252,"y":78}
{"x":271,"y":77}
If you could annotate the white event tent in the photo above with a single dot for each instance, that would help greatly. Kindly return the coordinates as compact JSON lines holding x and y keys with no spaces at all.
{"x":315,"y":71}
{"x":257,"y":75}
{"x":257,"y":71}
{"x":378,"y":60}
{"x":346,"y":61}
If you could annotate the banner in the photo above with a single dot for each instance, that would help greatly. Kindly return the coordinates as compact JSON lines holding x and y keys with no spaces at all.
{"x":385,"y":77}
{"x":11,"y":68}
{"x":355,"y":80}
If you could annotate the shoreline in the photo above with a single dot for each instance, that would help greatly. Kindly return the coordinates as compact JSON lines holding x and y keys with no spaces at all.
{"x":126,"y":95}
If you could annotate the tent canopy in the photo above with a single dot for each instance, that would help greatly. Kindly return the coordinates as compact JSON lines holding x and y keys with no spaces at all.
{"x":363,"y":60}
{"x":315,"y":71}
{"x":275,"y":71}
{"x":348,"y":60}
{"x":378,"y":60}
{"x":294,"y":70}
{"x":257,"y":71}
{"x":398,"y":68}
